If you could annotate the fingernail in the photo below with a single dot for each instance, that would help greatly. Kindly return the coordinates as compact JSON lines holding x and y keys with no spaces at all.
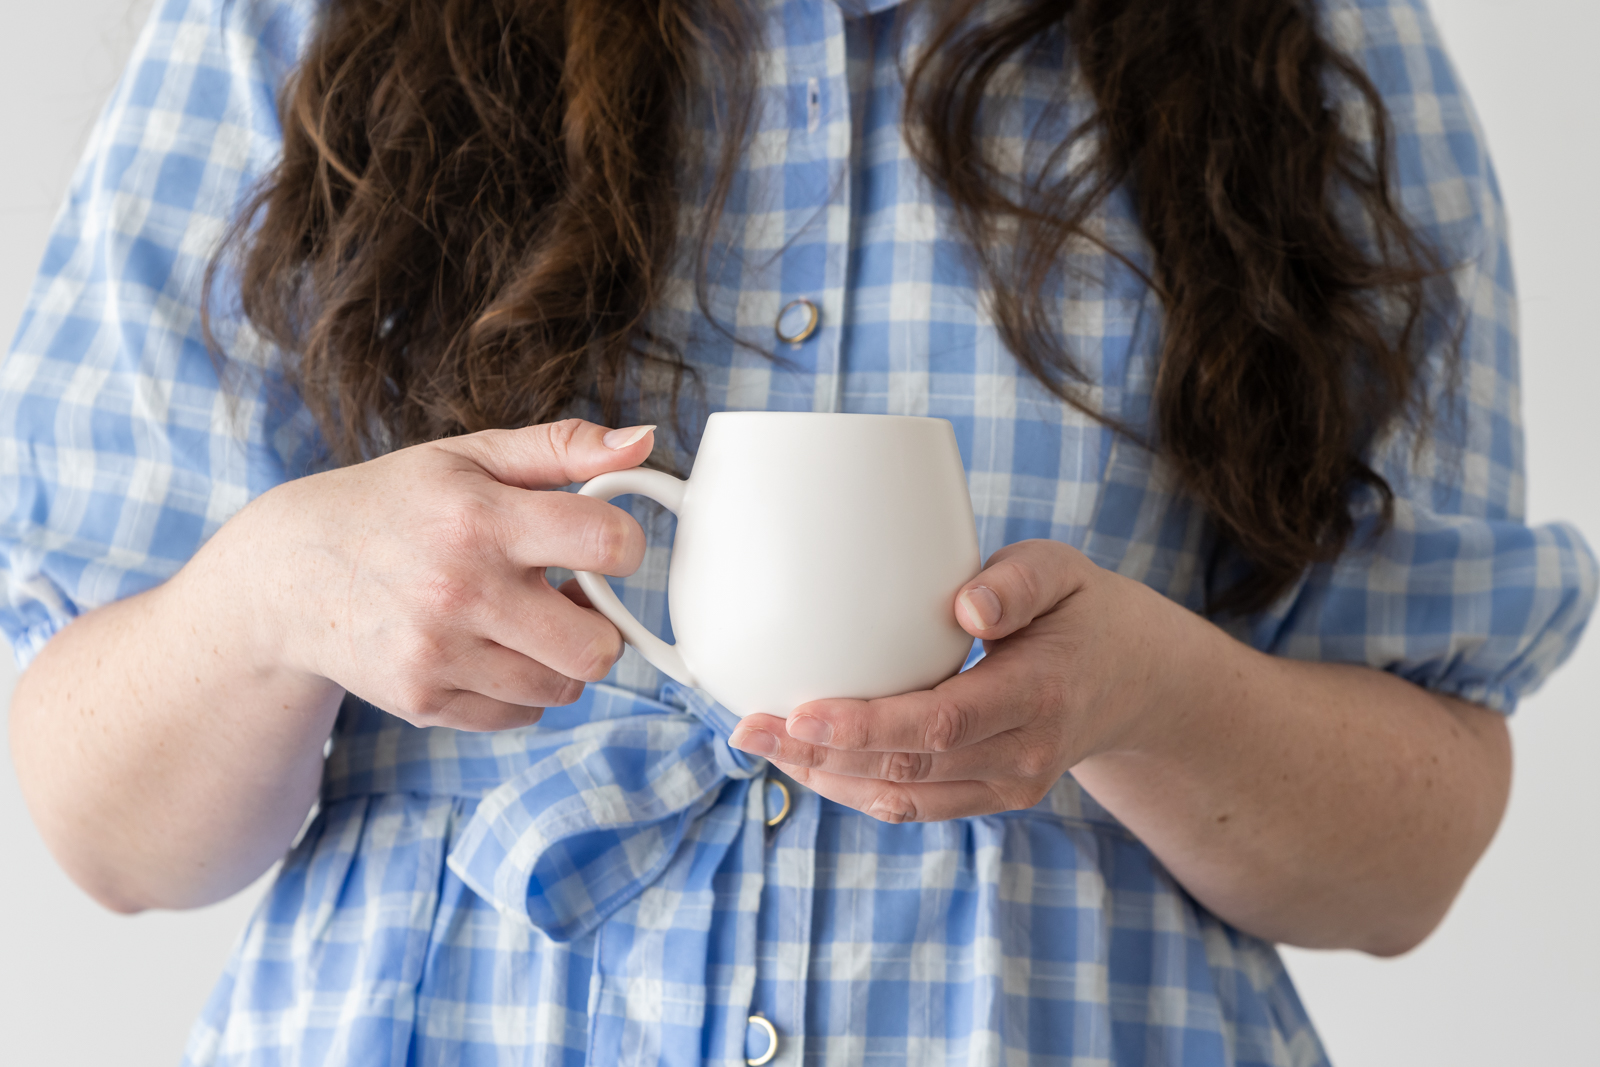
{"x":811,"y":730}
{"x":982,"y":607}
{"x":755,"y":742}
{"x":617,"y":440}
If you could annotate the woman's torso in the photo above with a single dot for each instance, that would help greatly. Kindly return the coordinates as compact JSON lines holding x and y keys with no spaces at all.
{"x":644,"y":909}
{"x":603,"y":888}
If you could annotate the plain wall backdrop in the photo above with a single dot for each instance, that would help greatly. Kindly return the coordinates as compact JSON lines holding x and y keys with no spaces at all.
{"x":1512,"y":976}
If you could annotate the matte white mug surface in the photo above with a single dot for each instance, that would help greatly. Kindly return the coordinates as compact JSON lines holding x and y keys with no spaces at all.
{"x":817,"y":555}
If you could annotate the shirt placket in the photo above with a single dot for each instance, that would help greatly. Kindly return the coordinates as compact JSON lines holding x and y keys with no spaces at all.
{"x":783,"y":957}
{"x":814,"y":184}
{"x":814,"y":271}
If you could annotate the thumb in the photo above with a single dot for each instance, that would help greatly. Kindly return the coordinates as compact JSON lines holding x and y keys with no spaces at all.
{"x":555,"y":454}
{"x":1022,"y":582}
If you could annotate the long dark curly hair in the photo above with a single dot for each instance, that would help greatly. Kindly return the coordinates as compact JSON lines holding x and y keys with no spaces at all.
{"x":479,"y":204}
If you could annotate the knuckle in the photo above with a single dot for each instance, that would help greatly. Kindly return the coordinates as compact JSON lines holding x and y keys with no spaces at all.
{"x":562,"y":435}
{"x":1032,"y":763}
{"x":610,"y":542}
{"x":852,"y":730}
{"x":444,"y":595}
{"x":857,"y":732}
{"x":596,"y":661}
{"x":1023,"y":579}
{"x":905,"y":766}
{"x":427,"y":702}
{"x":561,"y":692}
{"x":894,"y":806}
{"x":463,"y":526}
{"x":948,"y":727}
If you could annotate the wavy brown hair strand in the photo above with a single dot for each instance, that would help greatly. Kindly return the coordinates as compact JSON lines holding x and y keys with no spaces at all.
{"x":1289,"y":340}
{"x":479,"y":205}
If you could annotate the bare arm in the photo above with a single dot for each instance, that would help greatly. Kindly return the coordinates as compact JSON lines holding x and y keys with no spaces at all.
{"x":1320,"y":805}
{"x":170,"y":745}
{"x":166,"y":761}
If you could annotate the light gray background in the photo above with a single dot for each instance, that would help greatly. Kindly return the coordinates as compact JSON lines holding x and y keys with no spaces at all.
{"x":1510,"y":978}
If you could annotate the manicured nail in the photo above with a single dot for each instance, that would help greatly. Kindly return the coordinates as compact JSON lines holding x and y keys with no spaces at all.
{"x":755,"y":742}
{"x":982,"y":607}
{"x":617,"y":440}
{"x":810,"y":729}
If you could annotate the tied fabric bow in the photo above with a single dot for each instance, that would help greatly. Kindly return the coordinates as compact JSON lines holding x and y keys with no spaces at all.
{"x":644,"y":831}
{"x":568,"y":841}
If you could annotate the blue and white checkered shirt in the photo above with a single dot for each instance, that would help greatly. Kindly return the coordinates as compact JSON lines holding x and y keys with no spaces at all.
{"x":601,"y":888}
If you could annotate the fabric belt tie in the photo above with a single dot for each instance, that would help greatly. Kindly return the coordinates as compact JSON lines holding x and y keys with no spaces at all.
{"x":570,"y":840}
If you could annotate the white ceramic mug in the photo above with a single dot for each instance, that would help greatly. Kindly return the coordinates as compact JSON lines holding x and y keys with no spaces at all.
{"x":816,"y":556}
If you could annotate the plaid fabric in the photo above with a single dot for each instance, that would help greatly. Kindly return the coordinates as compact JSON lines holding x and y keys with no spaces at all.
{"x":601,"y":888}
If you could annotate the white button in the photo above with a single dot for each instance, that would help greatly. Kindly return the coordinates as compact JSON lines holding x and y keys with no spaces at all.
{"x":783,"y":812}
{"x":797,"y":320}
{"x":772,"y":1041}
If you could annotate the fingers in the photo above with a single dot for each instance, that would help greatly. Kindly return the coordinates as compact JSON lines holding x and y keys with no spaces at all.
{"x":895,"y":803}
{"x":543,"y":626}
{"x":550,"y":647}
{"x":971,"y":707}
{"x":555,"y":529}
{"x":490,"y":688}
{"x":574,"y":592}
{"x":476,"y":684}
{"x":508,"y":677}
{"x":473,"y":712}
{"x":554,"y":454}
{"x":1004,"y":757}
{"x":1020,"y":583}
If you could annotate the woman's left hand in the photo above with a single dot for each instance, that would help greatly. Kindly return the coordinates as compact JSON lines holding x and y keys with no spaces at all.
{"x":1320,"y":804}
{"x":1078,"y":663}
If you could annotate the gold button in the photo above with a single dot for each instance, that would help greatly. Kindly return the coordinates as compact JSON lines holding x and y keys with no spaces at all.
{"x":797,"y":320}
{"x":783,"y":813}
{"x":772,"y":1041}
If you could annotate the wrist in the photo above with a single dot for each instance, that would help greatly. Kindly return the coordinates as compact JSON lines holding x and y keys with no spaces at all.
{"x":1180,"y":667}
{"x":241,"y":589}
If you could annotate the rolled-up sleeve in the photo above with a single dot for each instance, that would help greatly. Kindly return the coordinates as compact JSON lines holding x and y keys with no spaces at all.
{"x":1460,"y":594}
{"x":122,"y":448}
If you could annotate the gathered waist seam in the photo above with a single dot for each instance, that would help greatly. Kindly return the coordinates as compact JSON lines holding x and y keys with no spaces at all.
{"x":333,"y":796}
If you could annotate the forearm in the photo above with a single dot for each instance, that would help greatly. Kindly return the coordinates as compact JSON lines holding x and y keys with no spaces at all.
{"x":170,"y":745}
{"x":1310,"y":803}
{"x":1315,"y":804}
{"x":166,"y":760}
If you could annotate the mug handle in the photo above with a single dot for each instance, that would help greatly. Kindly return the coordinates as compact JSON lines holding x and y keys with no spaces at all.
{"x":667,"y":491}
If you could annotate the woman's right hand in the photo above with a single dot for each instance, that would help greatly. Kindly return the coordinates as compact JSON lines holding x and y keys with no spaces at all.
{"x":170,"y":743}
{"x":417,"y":580}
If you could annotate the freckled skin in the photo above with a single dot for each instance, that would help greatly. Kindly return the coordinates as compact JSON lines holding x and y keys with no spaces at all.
{"x":221,"y":686}
{"x":1316,"y":804}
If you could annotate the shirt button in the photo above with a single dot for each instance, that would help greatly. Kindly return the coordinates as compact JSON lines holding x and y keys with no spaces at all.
{"x":797,"y":321}
{"x":760,"y":1034}
{"x":782,"y":801}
